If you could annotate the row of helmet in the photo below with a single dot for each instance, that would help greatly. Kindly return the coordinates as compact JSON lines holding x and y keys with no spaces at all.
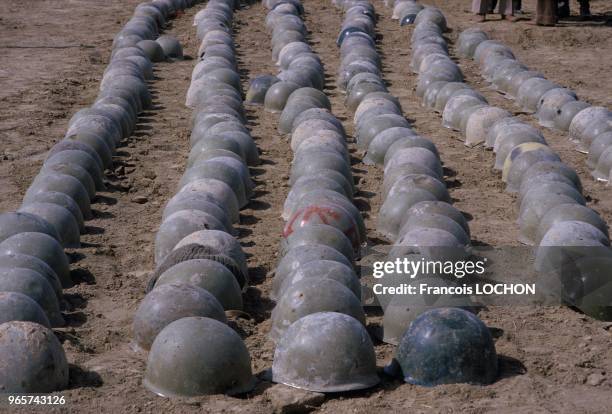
{"x":407,"y":12}
{"x":552,"y":209}
{"x":554,"y":106}
{"x":33,"y":266}
{"x":299,"y":66}
{"x":318,"y":323}
{"x":201,"y":267}
{"x":413,"y":170}
{"x":417,"y":217}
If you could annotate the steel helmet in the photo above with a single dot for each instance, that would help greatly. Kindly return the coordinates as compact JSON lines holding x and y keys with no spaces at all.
{"x":325,"y":352}
{"x":33,"y":360}
{"x":62,"y":220}
{"x":446,"y":346}
{"x":297,"y":257}
{"x":36,"y":287}
{"x":211,"y":275}
{"x":168,"y":303}
{"x":570,"y":212}
{"x":15,"y":306}
{"x":312,"y":295}
{"x":16,"y":260}
{"x":198,"y":356}
{"x":12,"y":223}
{"x":323,"y":269}
{"x":402,"y":310}
{"x":43,"y":247}
{"x":196,"y":251}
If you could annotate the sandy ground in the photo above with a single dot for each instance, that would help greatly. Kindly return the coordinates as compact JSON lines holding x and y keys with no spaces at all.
{"x":52,"y":55}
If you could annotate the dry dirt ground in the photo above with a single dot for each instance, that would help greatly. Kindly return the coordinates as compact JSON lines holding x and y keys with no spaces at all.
{"x":52,"y":56}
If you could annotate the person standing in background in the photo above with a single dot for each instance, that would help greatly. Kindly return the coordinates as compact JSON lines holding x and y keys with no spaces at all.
{"x":546,"y":12}
{"x":482,"y":7}
{"x":564,"y":9}
{"x":516,"y":5}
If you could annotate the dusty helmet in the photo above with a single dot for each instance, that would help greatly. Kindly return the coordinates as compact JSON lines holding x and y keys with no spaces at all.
{"x":208,"y":274}
{"x":446,"y":346}
{"x":43,"y":247}
{"x":15,"y":306}
{"x":170,"y":46}
{"x":323,"y":269}
{"x":36,"y":287}
{"x":325,"y":352}
{"x":168,"y":303}
{"x":62,"y":220}
{"x":12,"y":223}
{"x":33,"y":359}
{"x":198,"y":356}
{"x":312,"y":295}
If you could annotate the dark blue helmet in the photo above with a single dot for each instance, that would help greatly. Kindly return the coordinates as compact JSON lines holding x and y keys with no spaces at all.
{"x":446,"y":346}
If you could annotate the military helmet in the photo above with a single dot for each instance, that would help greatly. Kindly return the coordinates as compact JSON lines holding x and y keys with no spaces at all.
{"x":208,"y":274}
{"x":195,"y":356}
{"x":170,"y":302}
{"x":323,"y":269}
{"x":15,"y":306}
{"x":312,"y":295}
{"x":24,"y":261}
{"x":43,"y":247}
{"x":446,"y":346}
{"x":62,"y":220}
{"x":36,"y":287}
{"x":298,"y":256}
{"x":402,"y":310}
{"x":325,"y":352}
{"x":12,"y":223}
{"x":170,"y":46}
{"x":33,"y":360}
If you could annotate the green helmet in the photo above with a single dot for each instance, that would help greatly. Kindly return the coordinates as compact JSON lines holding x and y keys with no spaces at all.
{"x":403,"y":309}
{"x":325,"y":352}
{"x":170,"y":302}
{"x":312,"y":295}
{"x":209,"y":275}
{"x":15,"y":260}
{"x":198,"y":356}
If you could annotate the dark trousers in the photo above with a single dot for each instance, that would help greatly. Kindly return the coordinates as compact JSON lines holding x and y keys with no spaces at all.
{"x":546,"y":12}
{"x":516,"y":5}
